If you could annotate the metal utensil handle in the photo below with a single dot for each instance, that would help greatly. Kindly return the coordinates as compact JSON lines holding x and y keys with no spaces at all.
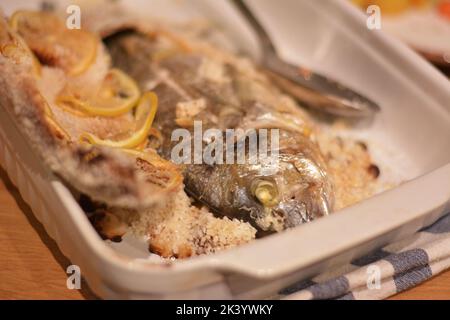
{"x":264,"y":38}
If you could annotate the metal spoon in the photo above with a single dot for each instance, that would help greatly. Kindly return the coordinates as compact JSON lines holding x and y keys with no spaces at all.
{"x":315,"y":90}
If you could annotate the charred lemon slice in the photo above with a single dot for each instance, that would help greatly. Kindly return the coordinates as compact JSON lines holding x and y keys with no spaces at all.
{"x":72,"y":50}
{"x":117,"y":96}
{"x":144,"y":116}
{"x":171,"y":177}
{"x":50,"y":119}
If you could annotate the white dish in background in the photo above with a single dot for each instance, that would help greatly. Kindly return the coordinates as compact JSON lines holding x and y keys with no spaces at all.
{"x":424,"y":30}
{"x":329,"y":36}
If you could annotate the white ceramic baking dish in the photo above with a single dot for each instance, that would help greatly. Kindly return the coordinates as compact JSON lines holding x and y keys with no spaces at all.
{"x":413,"y":129}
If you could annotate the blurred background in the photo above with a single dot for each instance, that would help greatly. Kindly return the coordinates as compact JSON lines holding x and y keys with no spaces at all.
{"x":422,"y":24}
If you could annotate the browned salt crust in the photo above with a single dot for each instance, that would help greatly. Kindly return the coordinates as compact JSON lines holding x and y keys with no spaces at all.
{"x":350,"y":166}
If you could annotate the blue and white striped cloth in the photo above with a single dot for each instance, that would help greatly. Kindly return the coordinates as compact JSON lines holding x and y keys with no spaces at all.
{"x":390,"y":270}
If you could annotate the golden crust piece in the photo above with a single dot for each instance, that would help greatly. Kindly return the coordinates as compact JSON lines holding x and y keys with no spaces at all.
{"x":106,"y":175}
{"x":179,"y":229}
{"x":174,"y":228}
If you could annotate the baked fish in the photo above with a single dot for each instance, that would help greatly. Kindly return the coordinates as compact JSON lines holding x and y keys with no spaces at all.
{"x":198,"y":84}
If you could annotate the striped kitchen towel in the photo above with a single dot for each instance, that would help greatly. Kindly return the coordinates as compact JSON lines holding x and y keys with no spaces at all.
{"x":385,"y":272}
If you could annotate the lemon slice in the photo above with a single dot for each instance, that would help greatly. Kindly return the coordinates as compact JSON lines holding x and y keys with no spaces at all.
{"x":65,"y":105}
{"x":72,"y":50}
{"x":60,"y":132}
{"x":117,"y":96}
{"x":172,"y":173}
{"x":144,"y":116}
{"x":49,"y":118}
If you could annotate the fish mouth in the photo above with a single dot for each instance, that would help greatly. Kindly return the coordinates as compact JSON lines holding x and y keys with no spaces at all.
{"x":304,"y":208}
{"x":290,"y":213}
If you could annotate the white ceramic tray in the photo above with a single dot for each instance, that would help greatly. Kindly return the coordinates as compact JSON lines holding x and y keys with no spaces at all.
{"x":329,"y":36}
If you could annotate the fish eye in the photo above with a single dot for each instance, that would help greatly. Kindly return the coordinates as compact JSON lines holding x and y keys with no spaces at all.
{"x":266,"y":192}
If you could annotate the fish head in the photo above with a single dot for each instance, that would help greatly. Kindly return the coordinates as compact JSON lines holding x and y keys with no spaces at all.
{"x":292,"y":191}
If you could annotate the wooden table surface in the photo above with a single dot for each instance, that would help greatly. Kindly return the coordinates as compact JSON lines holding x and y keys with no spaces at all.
{"x":32,"y":266}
